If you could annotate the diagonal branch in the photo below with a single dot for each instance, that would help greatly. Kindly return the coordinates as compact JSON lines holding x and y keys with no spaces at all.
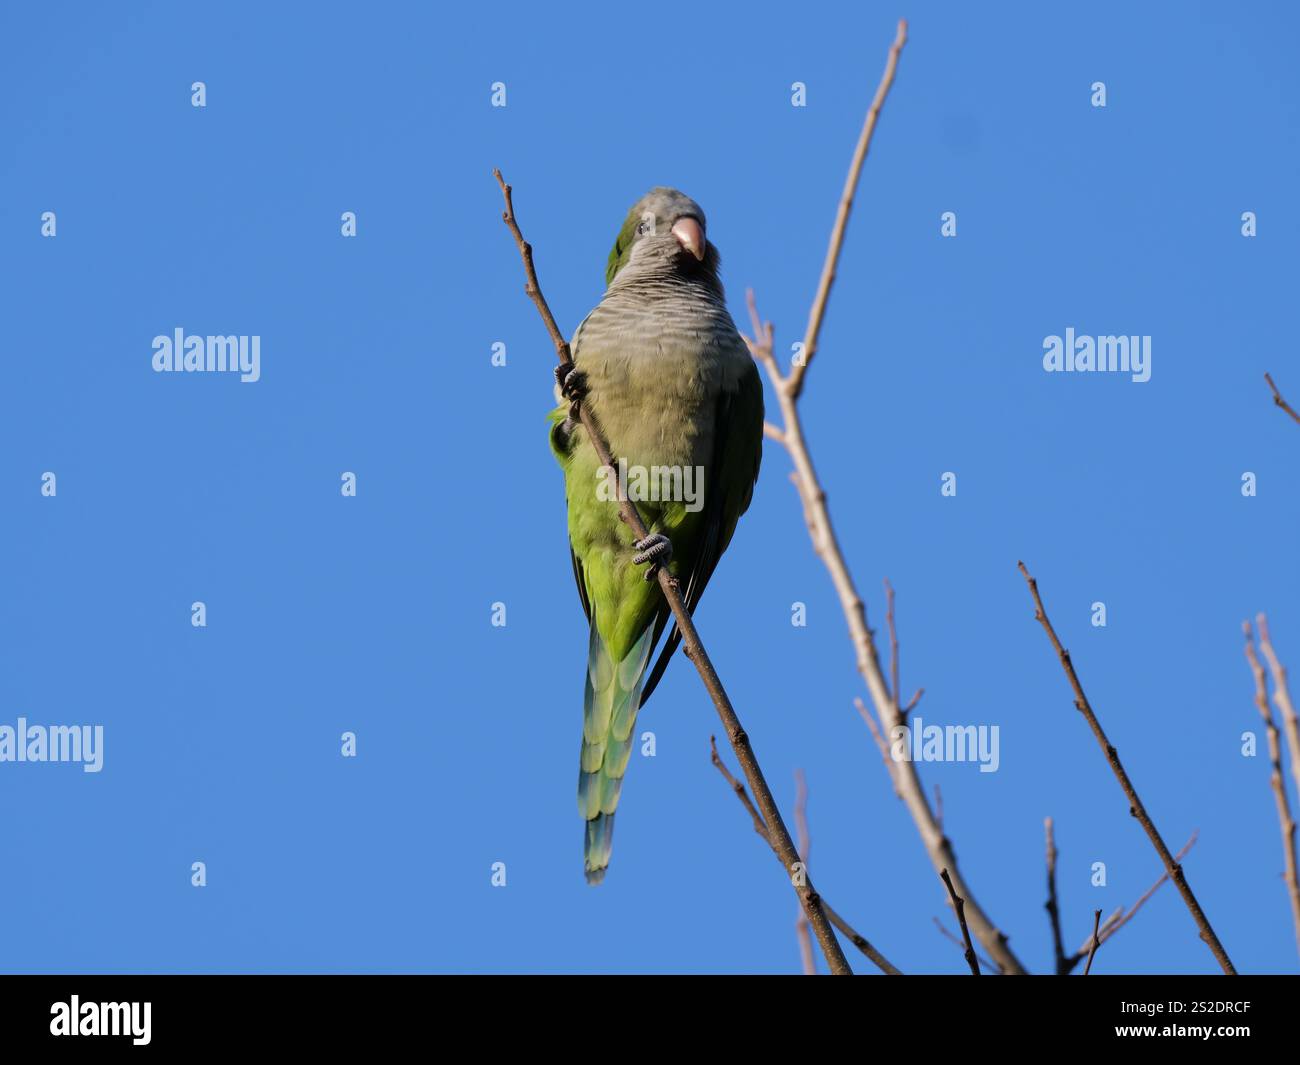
{"x":812,"y":496}
{"x":818,"y":311}
{"x":1066,"y":963}
{"x":879,"y":741}
{"x":893,"y":640}
{"x":827,"y":548}
{"x":805,"y":848}
{"x":1136,"y":808}
{"x":1121,"y":917}
{"x":959,"y":904}
{"x":1063,"y":964}
{"x":1281,"y":696}
{"x":1096,"y":940}
{"x":1276,"y":779}
{"x":904,"y":773}
{"x":859,"y":941}
{"x":691,"y":644}
{"x":943,"y":931}
{"x":893,"y":654}
{"x":1277,"y":398}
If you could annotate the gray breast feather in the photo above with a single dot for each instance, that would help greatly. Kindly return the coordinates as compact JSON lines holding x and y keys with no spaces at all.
{"x":654,"y":370}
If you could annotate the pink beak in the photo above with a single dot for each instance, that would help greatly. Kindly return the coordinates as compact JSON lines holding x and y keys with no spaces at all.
{"x":690,"y":236}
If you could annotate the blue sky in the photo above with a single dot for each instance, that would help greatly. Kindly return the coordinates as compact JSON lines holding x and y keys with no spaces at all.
{"x":372,"y":614}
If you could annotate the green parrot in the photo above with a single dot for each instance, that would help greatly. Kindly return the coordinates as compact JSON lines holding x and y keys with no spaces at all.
{"x":672,"y":385}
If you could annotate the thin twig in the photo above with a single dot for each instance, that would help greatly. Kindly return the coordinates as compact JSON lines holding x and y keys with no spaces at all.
{"x":879,"y":741}
{"x":1135,"y":804}
{"x":818,"y":311}
{"x":805,"y":847}
{"x":531,"y":287}
{"x":1096,"y":941}
{"x":739,"y":788}
{"x":1066,"y":963}
{"x":817,"y":517}
{"x":1063,"y":965}
{"x":1277,"y":398}
{"x":959,"y":904}
{"x":893,"y":641}
{"x":1121,"y":917}
{"x":893,"y":655}
{"x":691,"y":644}
{"x":904,"y":774}
{"x":858,"y":940}
{"x":1278,"y":782}
{"x":943,"y":931}
{"x":1110,"y":924}
{"x":1281,"y":696}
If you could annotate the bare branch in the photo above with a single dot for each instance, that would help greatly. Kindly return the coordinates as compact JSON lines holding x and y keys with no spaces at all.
{"x":824,"y":544}
{"x":1277,"y":398}
{"x":762,"y":347}
{"x":1096,"y":941}
{"x":1281,"y":696}
{"x":818,"y":312}
{"x":879,"y":741}
{"x":959,"y":904}
{"x":1066,"y":963}
{"x":906,"y":779}
{"x":1121,"y":917}
{"x":1136,"y":808}
{"x":809,"y":519}
{"x":943,"y":931}
{"x":1278,"y":782}
{"x":531,"y":288}
{"x":739,"y":789}
{"x":1112,"y":922}
{"x":805,"y":847}
{"x":893,"y":641}
{"x":893,"y":654}
{"x":693,"y":648}
{"x":858,"y":940}
{"x":1063,"y":964}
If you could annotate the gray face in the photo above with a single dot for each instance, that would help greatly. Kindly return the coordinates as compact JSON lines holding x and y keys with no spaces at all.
{"x":664,"y":206}
{"x":669,"y":235}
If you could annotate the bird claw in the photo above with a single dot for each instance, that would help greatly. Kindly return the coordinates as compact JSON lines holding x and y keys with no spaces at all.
{"x":655,"y":549}
{"x":572,"y":384}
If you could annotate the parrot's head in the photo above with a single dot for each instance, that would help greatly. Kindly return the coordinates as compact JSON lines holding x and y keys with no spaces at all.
{"x":663,"y":234}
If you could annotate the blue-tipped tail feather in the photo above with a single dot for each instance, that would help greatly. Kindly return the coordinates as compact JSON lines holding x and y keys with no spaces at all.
{"x":610,"y":701}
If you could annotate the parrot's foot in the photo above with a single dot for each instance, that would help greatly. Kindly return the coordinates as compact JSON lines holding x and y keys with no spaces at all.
{"x":572,"y":383}
{"x":656,"y":549}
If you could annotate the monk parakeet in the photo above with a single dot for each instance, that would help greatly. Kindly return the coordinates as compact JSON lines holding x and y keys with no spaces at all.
{"x":672,"y":385}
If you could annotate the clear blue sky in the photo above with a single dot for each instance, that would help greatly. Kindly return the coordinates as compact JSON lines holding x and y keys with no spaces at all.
{"x":371,"y":614}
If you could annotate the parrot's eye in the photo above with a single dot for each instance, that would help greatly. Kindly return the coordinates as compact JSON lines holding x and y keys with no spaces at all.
{"x":643,"y":229}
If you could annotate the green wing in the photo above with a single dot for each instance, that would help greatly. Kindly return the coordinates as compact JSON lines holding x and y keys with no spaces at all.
{"x":728,"y":487}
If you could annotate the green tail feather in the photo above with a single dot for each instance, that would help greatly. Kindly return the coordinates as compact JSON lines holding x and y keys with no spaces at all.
{"x":609,"y":704}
